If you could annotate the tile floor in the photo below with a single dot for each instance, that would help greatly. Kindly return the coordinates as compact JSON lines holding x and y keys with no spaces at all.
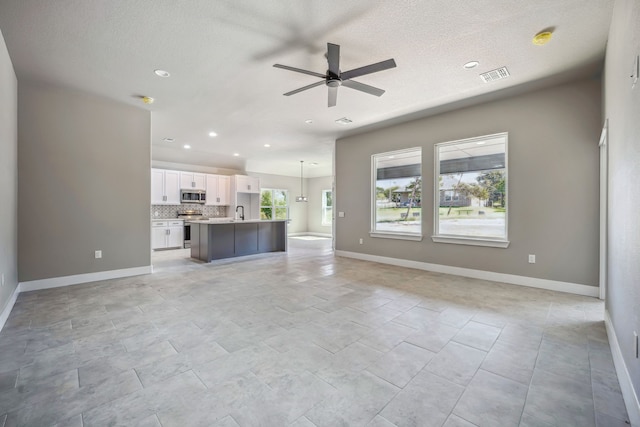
{"x":305,"y":339}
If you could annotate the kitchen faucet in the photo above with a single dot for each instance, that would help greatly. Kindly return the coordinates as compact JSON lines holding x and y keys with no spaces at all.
{"x":241,"y":215}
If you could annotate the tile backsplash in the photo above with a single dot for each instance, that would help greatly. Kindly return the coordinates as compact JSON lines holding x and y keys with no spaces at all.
{"x":171,"y":211}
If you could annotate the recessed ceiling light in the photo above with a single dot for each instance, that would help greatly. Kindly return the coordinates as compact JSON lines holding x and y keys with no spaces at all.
{"x":186,"y":146}
{"x":212,"y":134}
{"x":471,"y":64}
{"x":236,"y":154}
{"x":267,"y":145}
{"x":147,"y":100}
{"x":481,"y":142}
{"x":344,"y":121}
{"x":162,"y":73}
{"x":168,"y":140}
{"x":308,"y":121}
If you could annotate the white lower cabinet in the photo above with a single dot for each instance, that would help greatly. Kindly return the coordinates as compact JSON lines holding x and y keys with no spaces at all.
{"x":167,"y":234}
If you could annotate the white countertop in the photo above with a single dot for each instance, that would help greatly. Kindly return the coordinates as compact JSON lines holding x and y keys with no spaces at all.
{"x":232,"y":221}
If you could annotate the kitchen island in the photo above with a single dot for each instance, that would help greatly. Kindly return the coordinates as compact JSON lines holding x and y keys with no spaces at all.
{"x":219,"y":239}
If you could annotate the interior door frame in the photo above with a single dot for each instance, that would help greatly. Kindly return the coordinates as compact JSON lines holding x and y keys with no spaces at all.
{"x":604,"y":180}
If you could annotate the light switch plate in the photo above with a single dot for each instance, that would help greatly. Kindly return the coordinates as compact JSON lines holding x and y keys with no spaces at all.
{"x":341,"y":214}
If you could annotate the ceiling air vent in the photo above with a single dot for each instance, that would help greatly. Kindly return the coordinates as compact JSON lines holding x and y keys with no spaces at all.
{"x":493,"y":75}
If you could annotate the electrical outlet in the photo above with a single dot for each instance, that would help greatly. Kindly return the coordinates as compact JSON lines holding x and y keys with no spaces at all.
{"x":635,"y":343}
{"x":361,"y":241}
{"x":532,"y":259}
{"x":98,"y":254}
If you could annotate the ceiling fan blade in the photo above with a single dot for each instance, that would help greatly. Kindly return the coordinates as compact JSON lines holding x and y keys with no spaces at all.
{"x":293,"y":92}
{"x":333,"y":96}
{"x":368,"y":69}
{"x":363,"y":87}
{"x":333,"y":58}
{"x":299,"y":70}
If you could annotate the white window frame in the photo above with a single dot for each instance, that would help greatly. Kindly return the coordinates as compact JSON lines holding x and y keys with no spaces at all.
{"x":469,"y":240}
{"x":273,"y":205}
{"x":324,"y":207}
{"x":384,"y":234}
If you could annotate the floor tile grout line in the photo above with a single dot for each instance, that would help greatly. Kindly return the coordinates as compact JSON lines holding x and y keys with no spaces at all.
{"x":533,"y":372}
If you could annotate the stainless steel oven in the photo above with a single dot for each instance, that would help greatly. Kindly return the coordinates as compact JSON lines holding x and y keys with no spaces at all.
{"x":189,"y":215}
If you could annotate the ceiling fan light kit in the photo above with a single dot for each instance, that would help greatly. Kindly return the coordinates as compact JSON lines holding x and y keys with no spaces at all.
{"x":334,"y":78}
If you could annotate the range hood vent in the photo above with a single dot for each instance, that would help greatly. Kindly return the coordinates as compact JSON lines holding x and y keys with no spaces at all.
{"x":493,"y":75}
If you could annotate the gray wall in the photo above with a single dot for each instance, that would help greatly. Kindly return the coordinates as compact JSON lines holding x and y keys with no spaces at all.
{"x":84,"y":183}
{"x":8,"y":176}
{"x":622,"y":108}
{"x":553,"y":182}
{"x":314,"y":214}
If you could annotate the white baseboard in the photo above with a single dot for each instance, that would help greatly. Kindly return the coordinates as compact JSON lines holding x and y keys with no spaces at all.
{"x":4,"y":315}
{"x":56,"y":282}
{"x":628,"y":393}
{"x":309,"y":233}
{"x":533,"y":282}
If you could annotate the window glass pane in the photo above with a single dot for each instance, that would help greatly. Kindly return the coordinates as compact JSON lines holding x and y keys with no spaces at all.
{"x":472,"y":188}
{"x":398,"y":192}
{"x":265,"y":213}
{"x":274,"y":204}
{"x":327,"y":203}
{"x":280,"y":197}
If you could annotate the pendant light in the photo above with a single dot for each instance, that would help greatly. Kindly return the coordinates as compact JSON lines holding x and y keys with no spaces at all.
{"x":301,"y":197}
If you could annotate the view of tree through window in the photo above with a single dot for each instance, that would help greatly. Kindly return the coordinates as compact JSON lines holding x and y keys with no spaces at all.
{"x":398,"y":192}
{"x":274,"y":204}
{"x":327,"y":207}
{"x":472,"y":188}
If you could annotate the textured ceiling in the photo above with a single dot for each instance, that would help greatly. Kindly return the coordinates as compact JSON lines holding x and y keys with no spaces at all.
{"x":220,"y":54}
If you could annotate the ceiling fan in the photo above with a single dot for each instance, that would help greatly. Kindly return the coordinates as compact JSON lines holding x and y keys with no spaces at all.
{"x":334,"y":78}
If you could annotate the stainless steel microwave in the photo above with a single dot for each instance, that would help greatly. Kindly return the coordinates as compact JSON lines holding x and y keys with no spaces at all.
{"x":193,"y":196}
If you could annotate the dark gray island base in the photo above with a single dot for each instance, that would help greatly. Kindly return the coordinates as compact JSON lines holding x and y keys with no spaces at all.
{"x":218,"y":240}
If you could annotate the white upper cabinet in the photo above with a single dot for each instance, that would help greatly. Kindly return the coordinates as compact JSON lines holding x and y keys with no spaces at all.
{"x":193,"y":181}
{"x":217,"y":190}
{"x":247,"y":184}
{"x":224,"y":184}
{"x":165,"y":187}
